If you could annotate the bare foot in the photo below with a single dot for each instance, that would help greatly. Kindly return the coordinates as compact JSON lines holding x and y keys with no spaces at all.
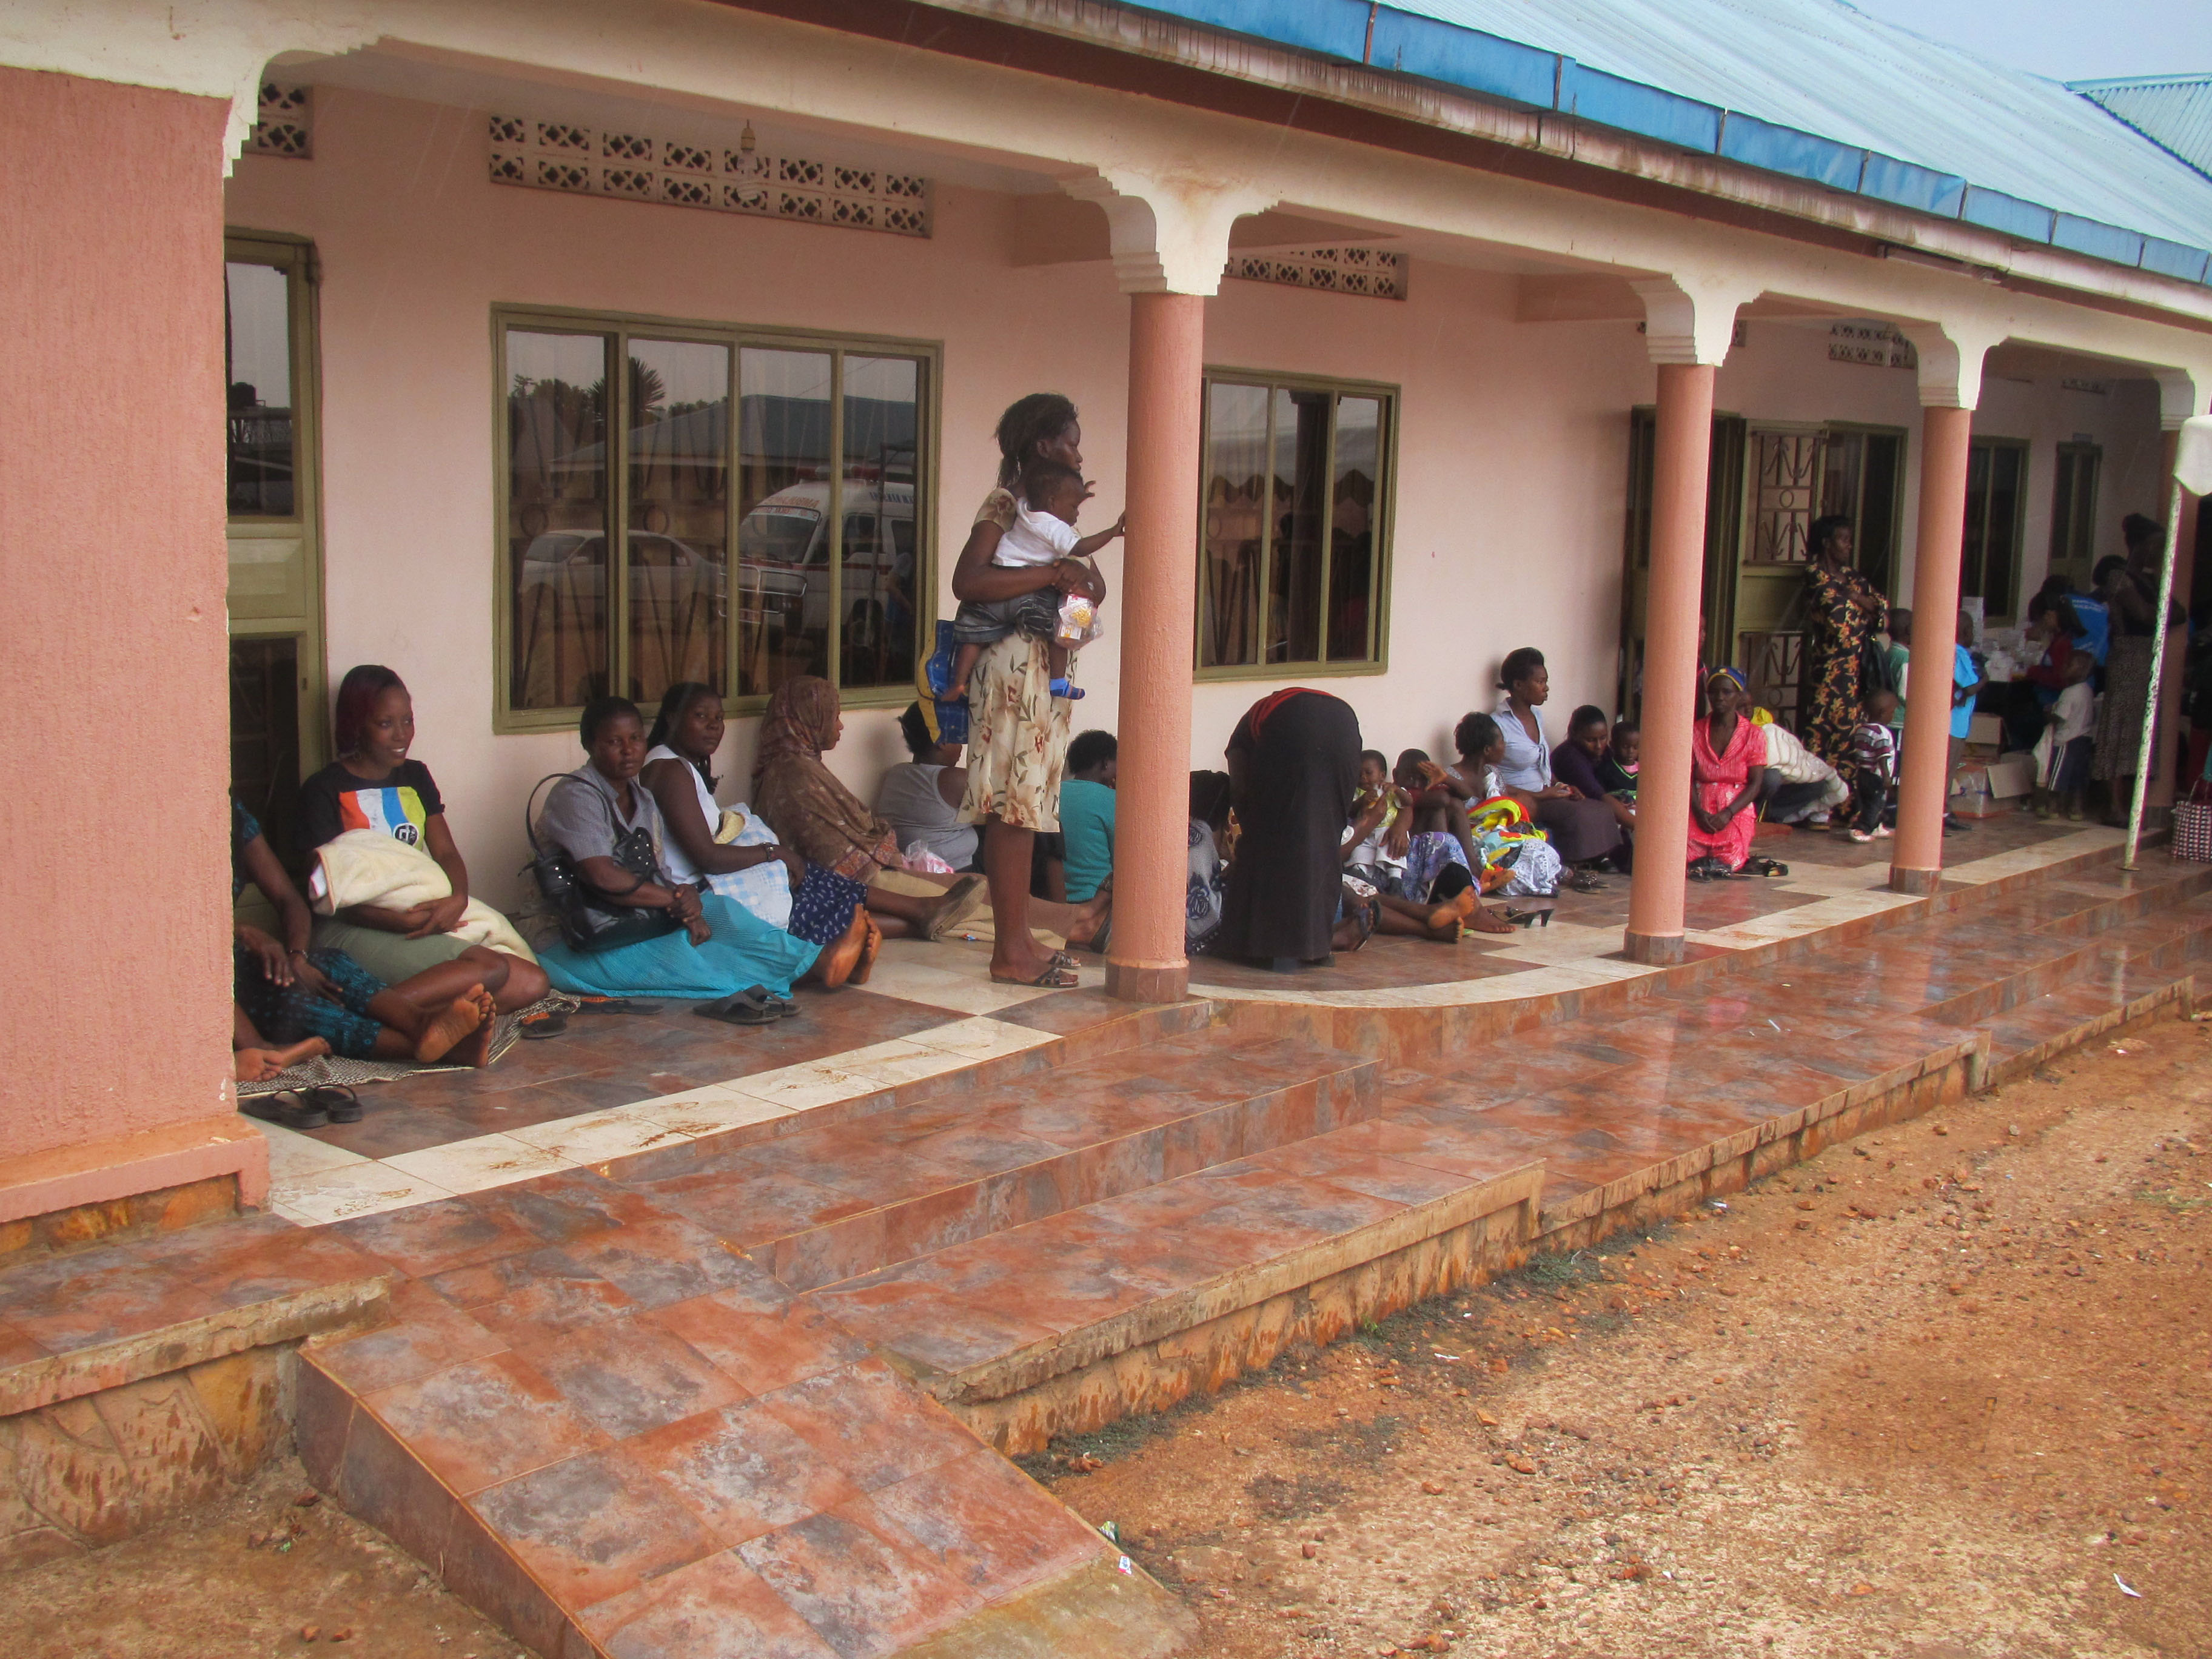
{"x":1484,"y":921}
{"x":1458,"y":907}
{"x":465,"y":1015}
{"x":869,"y":947}
{"x":255,"y":1065}
{"x":475,"y":1049}
{"x":842,"y":954}
{"x":1090,"y":916}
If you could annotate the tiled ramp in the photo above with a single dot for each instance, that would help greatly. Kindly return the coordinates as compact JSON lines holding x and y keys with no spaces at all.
{"x":747,"y":1395}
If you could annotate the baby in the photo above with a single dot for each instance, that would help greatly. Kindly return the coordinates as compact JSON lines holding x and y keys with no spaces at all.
{"x":1052,"y":493}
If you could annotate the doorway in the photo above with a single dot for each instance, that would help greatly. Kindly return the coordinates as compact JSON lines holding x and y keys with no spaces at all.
{"x":272,"y":475}
{"x":1723,"y":525}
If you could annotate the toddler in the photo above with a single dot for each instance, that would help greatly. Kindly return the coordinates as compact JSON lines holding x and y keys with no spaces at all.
{"x":1052,"y":493}
{"x":2072,"y":744}
{"x":1873,"y":746}
{"x":1374,"y":841}
{"x":1616,"y":767}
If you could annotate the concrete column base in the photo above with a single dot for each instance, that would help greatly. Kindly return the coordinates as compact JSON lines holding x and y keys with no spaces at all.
{"x":1919,"y":883}
{"x":1127,"y":983}
{"x":1653,"y":949}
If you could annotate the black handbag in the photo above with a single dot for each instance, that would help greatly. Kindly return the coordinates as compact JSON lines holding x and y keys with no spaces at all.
{"x":586,"y":924}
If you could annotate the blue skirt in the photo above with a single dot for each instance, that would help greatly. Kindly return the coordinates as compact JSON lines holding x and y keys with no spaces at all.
{"x":745,"y":950}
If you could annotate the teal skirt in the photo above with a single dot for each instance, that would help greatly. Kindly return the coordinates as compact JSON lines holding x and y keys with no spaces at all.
{"x":744,"y":951}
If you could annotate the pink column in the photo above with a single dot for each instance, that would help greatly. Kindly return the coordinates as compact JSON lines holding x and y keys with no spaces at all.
{"x":114,"y":1004}
{"x":1682,"y":449}
{"x":1158,"y":599}
{"x":1917,"y":858}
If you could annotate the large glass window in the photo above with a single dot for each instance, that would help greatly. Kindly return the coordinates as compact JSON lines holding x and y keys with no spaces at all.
{"x":257,"y":339}
{"x":1294,"y":523}
{"x":1997,"y":496}
{"x":818,"y":568}
{"x":2074,"y":512}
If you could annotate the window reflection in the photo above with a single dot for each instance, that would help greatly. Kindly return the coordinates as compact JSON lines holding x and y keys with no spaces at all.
{"x":557,"y":518}
{"x":783,"y":539}
{"x":679,"y":514}
{"x":1351,"y":527}
{"x":876,"y":587}
{"x":1234,"y":527}
{"x":1298,"y":463}
{"x":258,"y":373}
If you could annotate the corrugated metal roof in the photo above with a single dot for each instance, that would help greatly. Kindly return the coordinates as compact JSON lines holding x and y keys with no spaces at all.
{"x":2173,"y":111}
{"x":1813,"y":89}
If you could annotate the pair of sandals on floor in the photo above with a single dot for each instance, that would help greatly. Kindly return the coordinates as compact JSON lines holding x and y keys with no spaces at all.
{"x":305,"y":1109}
{"x":1709,"y":868}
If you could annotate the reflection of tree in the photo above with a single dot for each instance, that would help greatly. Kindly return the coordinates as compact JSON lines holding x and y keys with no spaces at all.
{"x":556,"y":480}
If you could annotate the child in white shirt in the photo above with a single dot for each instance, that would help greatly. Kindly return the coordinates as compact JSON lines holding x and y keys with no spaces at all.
{"x":2073,"y":745}
{"x":1043,"y":533}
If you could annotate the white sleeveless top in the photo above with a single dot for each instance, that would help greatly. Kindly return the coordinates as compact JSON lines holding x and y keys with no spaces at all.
{"x":764,"y":889}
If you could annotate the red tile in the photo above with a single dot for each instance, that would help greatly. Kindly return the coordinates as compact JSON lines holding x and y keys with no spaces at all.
{"x":592,"y":1527}
{"x":427,"y":1334}
{"x":629,"y":1376}
{"x":989,"y":1525}
{"x":762,"y":1351}
{"x":866,"y":1593}
{"x":741,"y":1470}
{"x":656,"y":1262}
{"x":432,"y":1238}
{"x":927,"y":1324}
{"x":870,"y":1423}
{"x":67,"y":1302}
{"x":714,"y":1606}
{"x":484,"y":1421}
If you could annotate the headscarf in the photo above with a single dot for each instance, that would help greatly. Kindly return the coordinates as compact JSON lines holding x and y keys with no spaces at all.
{"x":802,"y":799}
{"x":1732,"y":676}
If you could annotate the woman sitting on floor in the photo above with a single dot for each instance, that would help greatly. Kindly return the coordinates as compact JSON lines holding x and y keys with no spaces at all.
{"x":750,"y":867}
{"x":713,"y":947}
{"x":1584,"y":832}
{"x":1728,"y":769}
{"x":290,"y":1003}
{"x":1529,"y":865}
{"x":373,"y":785}
{"x":841,"y":838}
{"x":921,"y":800}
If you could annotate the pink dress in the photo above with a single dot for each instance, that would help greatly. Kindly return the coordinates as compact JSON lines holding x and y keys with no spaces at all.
{"x":1714,"y":781}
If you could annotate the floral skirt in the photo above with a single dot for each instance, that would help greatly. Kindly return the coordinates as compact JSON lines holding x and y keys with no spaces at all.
{"x":1017,"y":736}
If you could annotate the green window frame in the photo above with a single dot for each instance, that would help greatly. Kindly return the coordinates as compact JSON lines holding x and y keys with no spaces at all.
{"x":1303,"y":584}
{"x":619,"y":598}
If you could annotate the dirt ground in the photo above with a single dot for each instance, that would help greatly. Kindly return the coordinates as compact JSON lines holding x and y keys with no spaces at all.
{"x":1940,"y":1393}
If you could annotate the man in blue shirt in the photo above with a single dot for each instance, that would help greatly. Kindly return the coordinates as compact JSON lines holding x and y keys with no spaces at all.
{"x":1086,"y":813}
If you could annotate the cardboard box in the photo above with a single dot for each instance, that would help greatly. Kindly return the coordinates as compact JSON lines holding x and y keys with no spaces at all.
{"x":1986,"y":728}
{"x":2012,"y":777}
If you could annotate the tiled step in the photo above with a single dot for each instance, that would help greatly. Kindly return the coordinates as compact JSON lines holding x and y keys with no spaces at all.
{"x":646,"y":1450}
{"x":2027,"y":1037}
{"x":824,"y":1204}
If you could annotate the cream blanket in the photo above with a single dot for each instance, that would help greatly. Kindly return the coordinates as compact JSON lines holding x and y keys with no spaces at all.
{"x":366,"y":866}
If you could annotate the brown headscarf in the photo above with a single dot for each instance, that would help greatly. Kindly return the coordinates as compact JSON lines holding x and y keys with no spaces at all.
{"x":801,"y":798}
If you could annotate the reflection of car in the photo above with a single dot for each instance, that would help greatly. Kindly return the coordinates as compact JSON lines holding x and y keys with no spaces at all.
{"x":670,"y":580}
{"x":785,"y":539}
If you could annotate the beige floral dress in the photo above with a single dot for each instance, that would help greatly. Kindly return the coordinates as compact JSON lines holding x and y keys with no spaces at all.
{"x":1017,"y":729}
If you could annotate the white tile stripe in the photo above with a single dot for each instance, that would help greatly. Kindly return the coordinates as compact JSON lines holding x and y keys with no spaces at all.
{"x":312,"y":1183}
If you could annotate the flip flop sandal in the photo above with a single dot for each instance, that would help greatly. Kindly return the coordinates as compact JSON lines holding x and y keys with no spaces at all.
{"x":538,"y":1027}
{"x":1057,"y":976}
{"x":336,"y":1100}
{"x":739,"y":1009}
{"x":616,"y":1005}
{"x":1764,"y":867}
{"x":1583,"y":882}
{"x":962,"y":900}
{"x":289,"y":1109}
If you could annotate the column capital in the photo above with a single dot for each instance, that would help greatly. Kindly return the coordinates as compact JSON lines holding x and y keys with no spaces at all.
{"x":1169,"y":235}
{"x":2177,"y":396}
{"x":1951,"y":361}
{"x":1690,"y":318}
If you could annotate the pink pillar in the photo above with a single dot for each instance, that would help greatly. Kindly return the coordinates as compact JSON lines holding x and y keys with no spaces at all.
{"x":1682,"y":450}
{"x":114,"y":1001}
{"x":1917,"y":858}
{"x":2159,"y":798}
{"x":1158,"y":598}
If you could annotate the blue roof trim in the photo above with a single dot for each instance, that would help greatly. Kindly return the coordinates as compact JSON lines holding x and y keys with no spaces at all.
{"x":1436,"y":50}
{"x":1906,"y":184}
{"x":1634,"y":108}
{"x":2097,"y":240}
{"x":1409,"y":43}
{"x":1759,"y":143}
{"x":1993,"y":209}
{"x":2191,"y":264}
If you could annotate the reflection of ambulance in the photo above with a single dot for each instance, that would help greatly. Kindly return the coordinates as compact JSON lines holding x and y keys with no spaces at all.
{"x":783,"y":560}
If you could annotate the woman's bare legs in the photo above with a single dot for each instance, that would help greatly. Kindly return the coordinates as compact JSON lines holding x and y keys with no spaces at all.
{"x":1015,"y":953}
{"x":910,"y":915}
{"x":254,"y":1059}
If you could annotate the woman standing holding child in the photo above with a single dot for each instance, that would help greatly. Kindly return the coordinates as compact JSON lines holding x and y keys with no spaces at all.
{"x":1017,"y":737}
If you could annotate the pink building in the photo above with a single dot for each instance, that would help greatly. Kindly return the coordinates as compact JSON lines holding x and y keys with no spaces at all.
{"x":1368,"y":316}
